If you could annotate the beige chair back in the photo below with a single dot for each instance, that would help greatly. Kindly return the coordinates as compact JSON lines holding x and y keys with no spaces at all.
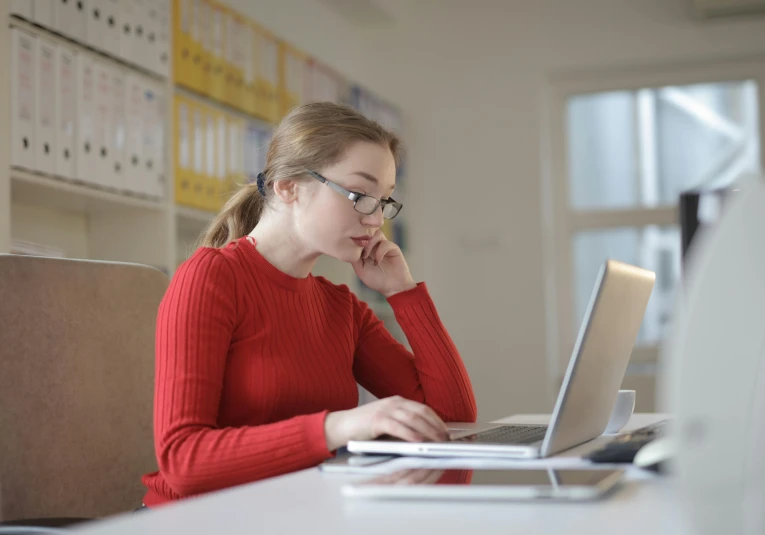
{"x":76,"y":385}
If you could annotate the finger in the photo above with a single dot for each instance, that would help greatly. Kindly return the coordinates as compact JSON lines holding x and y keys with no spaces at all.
{"x":400,"y":430}
{"x":383,"y":248}
{"x":373,"y":241}
{"x":429,"y":414}
{"x":421,"y":424}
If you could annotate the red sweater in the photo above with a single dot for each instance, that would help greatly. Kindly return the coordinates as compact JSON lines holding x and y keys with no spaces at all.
{"x":249,"y":360}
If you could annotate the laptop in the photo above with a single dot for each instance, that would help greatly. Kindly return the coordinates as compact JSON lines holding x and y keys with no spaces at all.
{"x":587,"y":395}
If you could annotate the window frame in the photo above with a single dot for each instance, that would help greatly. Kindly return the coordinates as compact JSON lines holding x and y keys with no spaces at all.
{"x":561,"y":222}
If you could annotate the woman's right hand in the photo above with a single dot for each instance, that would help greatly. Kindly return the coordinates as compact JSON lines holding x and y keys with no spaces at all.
{"x":395,"y":416}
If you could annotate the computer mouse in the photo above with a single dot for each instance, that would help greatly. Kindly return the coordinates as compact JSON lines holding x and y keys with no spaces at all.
{"x":655,"y":455}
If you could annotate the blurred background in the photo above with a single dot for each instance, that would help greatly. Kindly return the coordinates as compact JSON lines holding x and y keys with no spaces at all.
{"x":541,"y":137}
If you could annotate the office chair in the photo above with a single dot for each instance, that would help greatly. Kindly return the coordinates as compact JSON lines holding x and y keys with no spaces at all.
{"x":76,"y":388}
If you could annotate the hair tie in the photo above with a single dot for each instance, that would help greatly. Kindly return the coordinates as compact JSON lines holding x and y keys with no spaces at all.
{"x":262,"y":184}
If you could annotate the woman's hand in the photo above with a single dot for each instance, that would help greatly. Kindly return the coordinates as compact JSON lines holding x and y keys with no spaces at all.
{"x":382,"y":266}
{"x":395,"y":416}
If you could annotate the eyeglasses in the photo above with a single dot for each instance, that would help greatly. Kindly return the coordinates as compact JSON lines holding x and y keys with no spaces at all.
{"x":362,"y":203}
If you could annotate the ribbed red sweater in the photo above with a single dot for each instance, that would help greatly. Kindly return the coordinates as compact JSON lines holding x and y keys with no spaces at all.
{"x":249,"y":360}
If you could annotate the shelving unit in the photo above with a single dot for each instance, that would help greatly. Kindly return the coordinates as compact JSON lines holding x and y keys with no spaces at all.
{"x":87,"y":219}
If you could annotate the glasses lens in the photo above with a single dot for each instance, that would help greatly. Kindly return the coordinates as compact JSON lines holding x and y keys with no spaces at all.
{"x":366,"y":205}
{"x":391,"y":210}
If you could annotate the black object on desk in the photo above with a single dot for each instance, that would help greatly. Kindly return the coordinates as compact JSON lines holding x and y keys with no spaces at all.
{"x":623,"y":448}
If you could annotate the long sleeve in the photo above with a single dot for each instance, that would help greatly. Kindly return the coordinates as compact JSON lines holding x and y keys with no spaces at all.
{"x":196,"y":321}
{"x":433,"y":373}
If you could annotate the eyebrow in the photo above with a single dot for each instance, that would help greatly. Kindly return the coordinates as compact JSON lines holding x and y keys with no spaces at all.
{"x":370,"y":178}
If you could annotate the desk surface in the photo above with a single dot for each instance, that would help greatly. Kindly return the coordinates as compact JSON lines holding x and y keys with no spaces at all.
{"x":310,"y":502}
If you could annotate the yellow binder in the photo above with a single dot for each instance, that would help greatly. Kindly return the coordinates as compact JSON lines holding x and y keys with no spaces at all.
{"x":221,"y":157}
{"x":235,"y":149}
{"x":250,"y":61}
{"x":217,"y":40}
{"x":183,"y":152}
{"x":234,"y":76}
{"x":199,"y":156}
{"x":268,"y":78}
{"x":292,"y":70}
{"x":210,"y":178}
{"x":183,"y":43}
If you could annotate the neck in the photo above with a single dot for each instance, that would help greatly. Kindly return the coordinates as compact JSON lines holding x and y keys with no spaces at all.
{"x":277,"y":243}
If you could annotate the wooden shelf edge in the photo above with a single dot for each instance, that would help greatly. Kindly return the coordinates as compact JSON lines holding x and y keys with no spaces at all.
{"x":37,"y":188}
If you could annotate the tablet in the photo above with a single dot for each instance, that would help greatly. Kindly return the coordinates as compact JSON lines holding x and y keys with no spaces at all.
{"x":488,"y":484}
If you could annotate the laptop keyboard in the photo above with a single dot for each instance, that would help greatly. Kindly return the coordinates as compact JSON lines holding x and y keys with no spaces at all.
{"x":507,"y":435}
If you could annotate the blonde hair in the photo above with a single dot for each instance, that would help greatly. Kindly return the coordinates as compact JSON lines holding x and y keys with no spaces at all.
{"x":312,"y":136}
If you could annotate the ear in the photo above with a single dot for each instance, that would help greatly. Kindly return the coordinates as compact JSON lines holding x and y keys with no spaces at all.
{"x":286,"y":189}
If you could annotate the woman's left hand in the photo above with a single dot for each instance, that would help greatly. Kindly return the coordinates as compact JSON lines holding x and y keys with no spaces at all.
{"x":382,"y":266}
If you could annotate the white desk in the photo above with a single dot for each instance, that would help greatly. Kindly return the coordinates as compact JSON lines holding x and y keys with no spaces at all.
{"x":310,"y":502}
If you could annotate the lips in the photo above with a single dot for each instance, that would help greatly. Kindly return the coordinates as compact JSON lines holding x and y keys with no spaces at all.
{"x":361,"y":241}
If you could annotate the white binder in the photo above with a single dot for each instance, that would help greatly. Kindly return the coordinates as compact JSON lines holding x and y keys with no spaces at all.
{"x":141,"y":50}
{"x":102,"y":123}
{"x":118,"y":128}
{"x":86,"y":161}
{"x":22,"y":99}
{"x":164,"y":39}
{"x":95,"y":26}
{"x":70,"y":17}
{"x":66,"y":111}
{"x":22,"y":8}
{"x":127,"y":32}
{"x":111,"y":26}
{"x":43,"y":12}
{"x":134,"y":174}
{"x":153,"y":138}
{"x":45,"y":107}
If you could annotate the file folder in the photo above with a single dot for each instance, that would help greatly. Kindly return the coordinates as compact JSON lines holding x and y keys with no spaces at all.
{"x":217,"y":53}
{"x":21,"y":8}
{"x":86,"y":159}
{"x":199,"y":185}
{"x":211,"y":161}
{"x":134,"y":159}
{"x":70,"y":19}
{"x":43,"y":12}
{"x":66,"y":111}
{"x":102,"y":124}
{"x":23,"y":85}
{"x":183,"y":45}
{"x":118,"y":133}
{"x":291,"y":78}
{"x":221,"y":159}
{"x":268,"y":72}
{"x":45,"y":107}
{"x":235,"y":148}
{"x":250,"y":60}
{"x":206,"y":45}
{"x":183,"y":153}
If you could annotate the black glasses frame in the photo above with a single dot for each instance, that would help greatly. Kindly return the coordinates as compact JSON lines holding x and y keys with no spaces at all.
{"x":355,"y":197}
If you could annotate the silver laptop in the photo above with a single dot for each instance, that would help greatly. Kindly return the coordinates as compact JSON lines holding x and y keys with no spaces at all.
{"x":595,"y":372}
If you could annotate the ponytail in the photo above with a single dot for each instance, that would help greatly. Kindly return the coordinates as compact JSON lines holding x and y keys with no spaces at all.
{"x":238,"y":217}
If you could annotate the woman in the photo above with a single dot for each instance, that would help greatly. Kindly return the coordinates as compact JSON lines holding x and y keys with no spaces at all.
{"x":257,"y":360}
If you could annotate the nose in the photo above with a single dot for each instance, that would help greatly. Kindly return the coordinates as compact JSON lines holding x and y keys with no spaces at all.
{"x":375,"y":219}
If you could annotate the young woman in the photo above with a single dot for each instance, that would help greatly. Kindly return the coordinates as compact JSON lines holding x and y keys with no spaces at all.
{"x":257,"y":361}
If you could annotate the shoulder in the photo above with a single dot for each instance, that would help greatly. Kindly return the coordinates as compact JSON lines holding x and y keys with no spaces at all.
{"x":209,"y":266}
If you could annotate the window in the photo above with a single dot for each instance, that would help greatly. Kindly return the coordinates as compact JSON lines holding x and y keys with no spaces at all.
{"x":621,"y":158}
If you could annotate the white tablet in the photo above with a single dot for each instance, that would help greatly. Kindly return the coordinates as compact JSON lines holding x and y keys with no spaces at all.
{"x":488,"y":484}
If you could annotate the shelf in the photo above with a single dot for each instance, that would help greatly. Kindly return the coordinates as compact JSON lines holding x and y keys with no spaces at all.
{"x":38,"y":189}
{"x":192,"y":220}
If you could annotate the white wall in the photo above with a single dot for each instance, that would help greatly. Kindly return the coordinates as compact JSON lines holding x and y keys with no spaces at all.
{"x":470,"y":78}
